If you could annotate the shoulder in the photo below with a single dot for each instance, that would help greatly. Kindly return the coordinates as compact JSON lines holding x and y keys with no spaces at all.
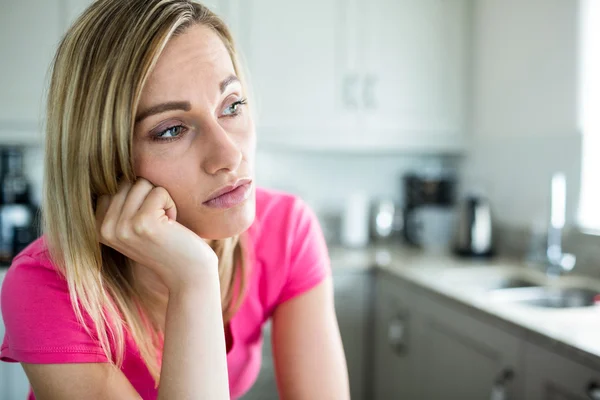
{"x":29,"y":270}
{"x":279,"y":210}
{"x":288,"y":242}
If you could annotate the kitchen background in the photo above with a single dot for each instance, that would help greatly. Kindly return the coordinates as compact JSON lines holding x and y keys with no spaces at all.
{"x":492,"y":97}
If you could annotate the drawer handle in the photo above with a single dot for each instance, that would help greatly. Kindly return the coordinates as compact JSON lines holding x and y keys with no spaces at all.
{"x":593,"y":391}
{"x":500,"y":389}
{"x":398,"y":334}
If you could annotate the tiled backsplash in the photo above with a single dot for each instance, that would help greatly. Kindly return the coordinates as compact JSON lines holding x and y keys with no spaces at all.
{"x":326,"y":180}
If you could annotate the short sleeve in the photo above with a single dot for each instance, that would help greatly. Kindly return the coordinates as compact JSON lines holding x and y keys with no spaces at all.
{"x":40,"y":323}
{"x":309,"y":262}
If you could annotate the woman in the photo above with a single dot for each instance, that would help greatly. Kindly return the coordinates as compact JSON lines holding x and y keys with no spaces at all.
{"x":161,"y":259}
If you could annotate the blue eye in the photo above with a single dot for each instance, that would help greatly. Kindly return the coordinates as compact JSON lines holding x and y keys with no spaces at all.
{"x":234,"y":108}
{"x":170,"y":133}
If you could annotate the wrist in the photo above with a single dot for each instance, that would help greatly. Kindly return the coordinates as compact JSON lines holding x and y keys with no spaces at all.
{"x":204,"y":281}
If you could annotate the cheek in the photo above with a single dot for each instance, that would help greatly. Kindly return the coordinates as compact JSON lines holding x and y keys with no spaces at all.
{"x":160,"y":171}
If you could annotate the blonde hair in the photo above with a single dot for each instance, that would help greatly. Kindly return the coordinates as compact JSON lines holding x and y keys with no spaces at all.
{"x":98,"y":74}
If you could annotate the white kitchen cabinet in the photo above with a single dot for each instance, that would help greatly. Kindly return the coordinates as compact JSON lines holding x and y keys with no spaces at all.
{"x":550,"y":376}
{"x":395,"y":341}
{"x":414,"y":71}
{"x":352,"y":75}
{"x":29,"y":33}
{"x":294,"y":56}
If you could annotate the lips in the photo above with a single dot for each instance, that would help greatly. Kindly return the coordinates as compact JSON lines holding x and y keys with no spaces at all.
{"x":230,"y":195}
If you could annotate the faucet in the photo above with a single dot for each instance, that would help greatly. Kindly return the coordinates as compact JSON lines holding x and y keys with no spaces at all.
{"x":557,"y":262}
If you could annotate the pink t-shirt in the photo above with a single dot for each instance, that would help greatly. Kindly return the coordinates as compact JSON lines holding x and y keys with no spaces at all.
{"x":287,"y":257}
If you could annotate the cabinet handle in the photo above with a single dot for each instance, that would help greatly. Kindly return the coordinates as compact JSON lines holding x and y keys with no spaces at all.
{"x":500,"y":389}
{"x":369,"y":92}
{"x":349,"y":91}
{"x":398,"y":334}
{"x":593,"y":391}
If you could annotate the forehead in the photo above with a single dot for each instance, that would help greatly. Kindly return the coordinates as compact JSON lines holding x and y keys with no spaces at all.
{"x":195,"y":58}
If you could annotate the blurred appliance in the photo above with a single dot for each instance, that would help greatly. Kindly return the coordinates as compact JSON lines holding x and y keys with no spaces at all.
{"x":429,"y":214}
{"x":17,"y":214}
{"x":355,"y":221}
{"x":474,"y":227}
{"x":386,"y":220}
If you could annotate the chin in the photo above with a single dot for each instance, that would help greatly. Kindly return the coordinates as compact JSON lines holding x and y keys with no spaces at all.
{"x":228,"y":223}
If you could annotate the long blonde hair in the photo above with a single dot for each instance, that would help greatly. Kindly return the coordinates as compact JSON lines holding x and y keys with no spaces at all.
{"x":98,"y":74}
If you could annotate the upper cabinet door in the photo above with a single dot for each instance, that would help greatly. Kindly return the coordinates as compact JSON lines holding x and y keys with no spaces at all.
{"x":414,"y":68}
{"x":29,"y":33}
{"x":303,"y":94}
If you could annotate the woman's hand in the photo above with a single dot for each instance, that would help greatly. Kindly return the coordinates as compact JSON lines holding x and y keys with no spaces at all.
{"x":140,"y":222}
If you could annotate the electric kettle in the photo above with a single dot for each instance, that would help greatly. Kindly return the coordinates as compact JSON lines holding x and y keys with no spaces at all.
{"x":474,"y":236}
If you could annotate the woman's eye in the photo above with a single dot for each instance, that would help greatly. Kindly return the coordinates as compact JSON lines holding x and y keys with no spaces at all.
{"x":170,"y":133}
{"x":234,"y":108}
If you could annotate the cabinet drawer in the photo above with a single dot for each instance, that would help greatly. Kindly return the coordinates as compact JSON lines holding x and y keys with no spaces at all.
{"x":551,"y":376}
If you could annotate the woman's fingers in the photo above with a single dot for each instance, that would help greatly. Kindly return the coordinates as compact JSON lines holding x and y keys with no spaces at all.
{"x":109,"y":216}
{"x":159,"y":200}
{"x":102,"y":205}
{"x":135,"y":198}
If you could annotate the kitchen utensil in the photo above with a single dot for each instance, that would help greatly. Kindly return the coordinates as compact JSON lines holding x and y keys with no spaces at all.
{"x":386,"y":220}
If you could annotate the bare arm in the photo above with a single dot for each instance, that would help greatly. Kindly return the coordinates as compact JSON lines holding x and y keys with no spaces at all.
{"x":307,"y":348}
{"x":194,"y":359}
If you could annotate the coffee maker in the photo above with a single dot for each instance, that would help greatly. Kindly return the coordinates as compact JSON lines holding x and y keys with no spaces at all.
{"x":18,"y":216}
{"x":429,"y":209}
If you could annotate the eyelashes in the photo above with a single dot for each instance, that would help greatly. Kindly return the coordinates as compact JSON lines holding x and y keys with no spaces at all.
{"x":175,"y":132}
{"x":235,"y":108}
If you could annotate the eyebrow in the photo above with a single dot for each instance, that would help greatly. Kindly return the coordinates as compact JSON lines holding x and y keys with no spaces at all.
{"x":160,"y":108}
{"x":180,"y":105}
{"x":228,"y":81}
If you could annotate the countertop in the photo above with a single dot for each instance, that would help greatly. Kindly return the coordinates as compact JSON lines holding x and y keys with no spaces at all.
{"x":466,"y":282}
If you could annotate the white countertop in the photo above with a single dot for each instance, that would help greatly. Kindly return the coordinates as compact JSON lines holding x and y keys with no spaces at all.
{"x":464,"y":280}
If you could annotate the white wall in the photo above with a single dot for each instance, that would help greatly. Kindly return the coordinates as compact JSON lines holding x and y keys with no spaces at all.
{"x":524,"y":122}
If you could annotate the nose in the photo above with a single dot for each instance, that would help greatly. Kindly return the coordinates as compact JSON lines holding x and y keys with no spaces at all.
{"x":221,"y":152}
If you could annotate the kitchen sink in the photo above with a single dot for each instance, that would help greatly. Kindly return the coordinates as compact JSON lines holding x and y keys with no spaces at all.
{"x":548,"y":297}
{"x":512,"y":282}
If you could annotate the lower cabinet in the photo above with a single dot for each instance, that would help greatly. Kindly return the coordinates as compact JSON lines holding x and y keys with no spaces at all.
{"x":396,"y":341}
{"x":465,"y":358}
{"x":425,"y":349}
{"x":428,"y":347}
{"x":353,"y":302}
{"x":554,"y":377}
{"x":265,"y":387}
